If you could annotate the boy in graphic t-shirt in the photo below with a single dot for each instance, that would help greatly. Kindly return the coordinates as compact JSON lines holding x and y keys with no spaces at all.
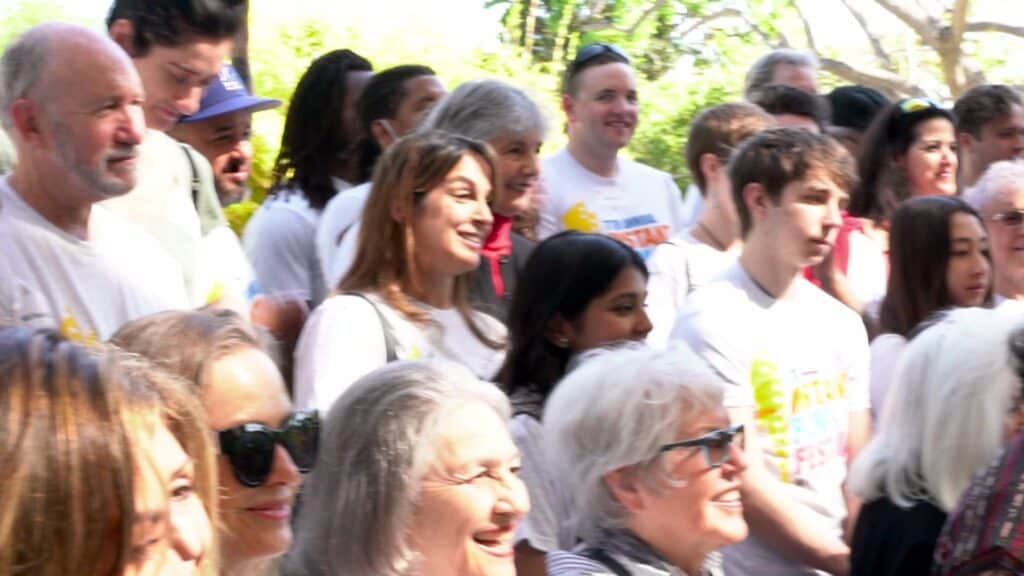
{"x":796,"y":359}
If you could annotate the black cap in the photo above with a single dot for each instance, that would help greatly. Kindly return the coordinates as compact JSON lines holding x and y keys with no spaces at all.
{"x":855,"y":106}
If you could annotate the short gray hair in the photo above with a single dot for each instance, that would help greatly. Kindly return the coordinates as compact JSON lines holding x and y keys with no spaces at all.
{"x":376,"y":443}
{"x":616,"y":410}
{"x":487,"y":109}
{"x":22,"y":67}
{"x":945,"y":414}
{"x":1001,"y":180}
{"x":762,"y":73}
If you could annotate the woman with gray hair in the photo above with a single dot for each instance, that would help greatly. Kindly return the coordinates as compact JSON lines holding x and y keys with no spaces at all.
{"x":508,"y":120}
{"x":644,"y":441}
{"x":416,"y":474}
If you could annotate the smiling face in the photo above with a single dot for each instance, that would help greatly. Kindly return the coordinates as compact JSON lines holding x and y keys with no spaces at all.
{"x":171,"y":531}
{"x":931,"y":161}
{"x":968,"y":272}
{"x":224,"y":141}
{"x":175,"y":76}
{"x":519,"y":162}
{"x":618,"y":314}
{"x":603,"y":113}
{"x":1006,"y":238}
{"x":245,"y":386}
{"x":471,"y":498}
{"x":452,"y":220}
{"x":701,"y":510}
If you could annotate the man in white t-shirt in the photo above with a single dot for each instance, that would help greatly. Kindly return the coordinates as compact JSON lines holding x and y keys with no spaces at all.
{"x":587,"y":186}
{"x":795,"y":358}
{"x":693,"y":257}
{"x":66,"y":262}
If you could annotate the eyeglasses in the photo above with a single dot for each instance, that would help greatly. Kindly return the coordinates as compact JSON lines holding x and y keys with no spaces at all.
{"x":250,"y":447}
{"x":911,"y":105}
{"x":1011,"y":218}
{"x":591,"y":51}
{"x":714,"y":445}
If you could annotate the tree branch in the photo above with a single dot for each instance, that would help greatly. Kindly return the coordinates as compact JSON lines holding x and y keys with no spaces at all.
{"x":723,"y":13}
{"x":876,"y":44}
{"x":959,"y":21}
{"x":881,"y":79}
{"x":807,"y":27}
{"x":925,"y":27}
{"x":994,"y":27}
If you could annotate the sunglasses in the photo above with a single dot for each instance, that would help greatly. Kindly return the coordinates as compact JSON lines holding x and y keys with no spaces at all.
{"x":714,"y":445}
{"x":250,"y":447}
{"x":1011,"y":218}
{"x":911,"y":105}
{"x":591,"y":51}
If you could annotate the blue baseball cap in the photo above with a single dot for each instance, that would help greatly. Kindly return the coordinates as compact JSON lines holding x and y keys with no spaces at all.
{"x":226,"y":94}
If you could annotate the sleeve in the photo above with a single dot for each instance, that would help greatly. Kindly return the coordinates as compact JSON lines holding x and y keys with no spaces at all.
{"x":666,"y":290}
{"x":858,"y":368}
{"x":675,"y":206}
{"x":885,"y":351}
{"x":720,"y":350}
{"x":342,"y":341}
{"x":548,"y":220}
{"x":345,"y":256}
{"x":282,"y":252}
{"x":540,"y":526}
{"x":340,"y":216}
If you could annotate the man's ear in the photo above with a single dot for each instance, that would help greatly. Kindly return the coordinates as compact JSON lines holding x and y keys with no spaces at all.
{"x":624,"y":487}
{"x":710,"y":166}
{"x":965,"y":141}
{"x":569,"y":107}
{"x":756,"y":199}
{"x":26,"y":120}
{"x":122,"y":31}
{"x":382,"y":133}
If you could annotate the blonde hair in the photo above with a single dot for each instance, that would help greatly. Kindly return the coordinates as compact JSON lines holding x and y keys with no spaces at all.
{"x":384,"y":261}
{"x":71,"y":419}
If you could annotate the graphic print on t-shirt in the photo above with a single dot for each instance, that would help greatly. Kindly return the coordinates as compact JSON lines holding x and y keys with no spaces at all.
{"x":803,"y":422}
{"x":642,"y":232}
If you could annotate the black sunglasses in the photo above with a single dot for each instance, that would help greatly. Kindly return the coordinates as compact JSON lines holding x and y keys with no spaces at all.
{"x":250,"y":447}
{"x":591,"y":51}
{"x":714,"y":444}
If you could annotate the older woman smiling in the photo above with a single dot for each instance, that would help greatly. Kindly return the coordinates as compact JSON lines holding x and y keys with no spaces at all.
{"x":643,"y":439}
{"x":417,"y":475}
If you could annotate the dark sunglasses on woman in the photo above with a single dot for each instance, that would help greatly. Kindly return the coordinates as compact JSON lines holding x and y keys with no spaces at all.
{"x":250,"y":447}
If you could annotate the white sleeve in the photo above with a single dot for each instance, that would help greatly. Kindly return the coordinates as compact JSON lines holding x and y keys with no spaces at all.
{"x":886,"y":351}
{"x":342,"y":341}
{"x":548,"y":221}
{"x":345,"y":256}
{"x":858,"y":369}
{"x":540,"y":526}
{"x":282,"y":252}
{"x":713,"y":342}
{"x":666,"y":290}
{"x":339,"y":218}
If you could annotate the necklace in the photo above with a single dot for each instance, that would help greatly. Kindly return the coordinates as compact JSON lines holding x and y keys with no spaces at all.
{"x":714,"y":240}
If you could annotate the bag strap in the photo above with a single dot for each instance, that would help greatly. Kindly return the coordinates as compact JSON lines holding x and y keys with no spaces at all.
{"x":390,"y":342}
{"x":605,"y":558}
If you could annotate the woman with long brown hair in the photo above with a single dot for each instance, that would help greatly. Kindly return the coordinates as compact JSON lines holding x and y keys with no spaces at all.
{"x":405,"y":297}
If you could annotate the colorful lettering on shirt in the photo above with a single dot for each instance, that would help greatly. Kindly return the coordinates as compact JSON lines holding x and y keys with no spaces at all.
{"x":69,"y":327}
{"x":641,"y":232}
{"x":802,"y":421}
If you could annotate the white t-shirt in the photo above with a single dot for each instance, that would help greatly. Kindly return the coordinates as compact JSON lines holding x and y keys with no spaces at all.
{"x":280,"y":241}
{"x":340,"y":222}
{"x":161,"y":204}
{"x":867,"y":270}
{"x":886,"y":351}
{"x":86,"y":288}
{"x":549,"y":524}
{"x":641,"y":206}
{"x":801,"y":362}
{"x":677,"y":268}
{"x":343,"y":340}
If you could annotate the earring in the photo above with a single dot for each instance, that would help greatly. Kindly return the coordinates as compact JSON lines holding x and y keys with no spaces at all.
{"x":562,"y":342}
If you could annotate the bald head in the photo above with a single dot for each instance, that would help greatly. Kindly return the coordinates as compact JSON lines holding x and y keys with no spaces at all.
{"x":49,"y":58}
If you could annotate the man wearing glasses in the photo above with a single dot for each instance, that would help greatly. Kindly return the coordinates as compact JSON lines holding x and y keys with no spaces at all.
{"x":989,"y":128}
{"x":999,"y":197}
{"x":587,"y":186}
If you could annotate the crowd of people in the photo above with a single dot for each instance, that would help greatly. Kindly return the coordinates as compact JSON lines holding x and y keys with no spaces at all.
{"x":434,"y":352}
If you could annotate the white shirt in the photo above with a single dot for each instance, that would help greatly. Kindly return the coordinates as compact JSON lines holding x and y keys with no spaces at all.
{"x":801,"y":363}
{"x":343,"y":340}
{"x":640,"y":206}
{"x":340,"y":222}
{"x":677,"y":268}
{"x":548,"y":526}
{"x":86,"y":288}
{"x":886,"y":352}
{"x":280,"y":241}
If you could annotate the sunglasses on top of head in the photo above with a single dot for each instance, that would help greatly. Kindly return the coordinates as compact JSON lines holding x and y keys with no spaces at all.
{"x":591,"y":51}
{"x":250,"y":447}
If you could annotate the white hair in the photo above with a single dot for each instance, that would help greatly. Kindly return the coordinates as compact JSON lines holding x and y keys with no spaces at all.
{"x":21,"y":68}
{"x":485,"y":110}
{"x":946,"y":412}
{"x":616,"y":410}
{"x":1001,"y":181}
{"x":376,"y":443}
{"x":762,"y":73}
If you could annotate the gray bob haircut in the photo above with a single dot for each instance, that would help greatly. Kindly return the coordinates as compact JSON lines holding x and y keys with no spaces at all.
{"x":945,"y":415}
{"x":376,"y":443}
{"x":762,"y":73}
{"x":487,"y":109}
{"x":22,"y":67}
{"x":616,"y":409}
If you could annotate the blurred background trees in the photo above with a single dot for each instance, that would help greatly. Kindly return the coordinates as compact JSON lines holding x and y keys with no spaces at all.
{"x":688,"y":54}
